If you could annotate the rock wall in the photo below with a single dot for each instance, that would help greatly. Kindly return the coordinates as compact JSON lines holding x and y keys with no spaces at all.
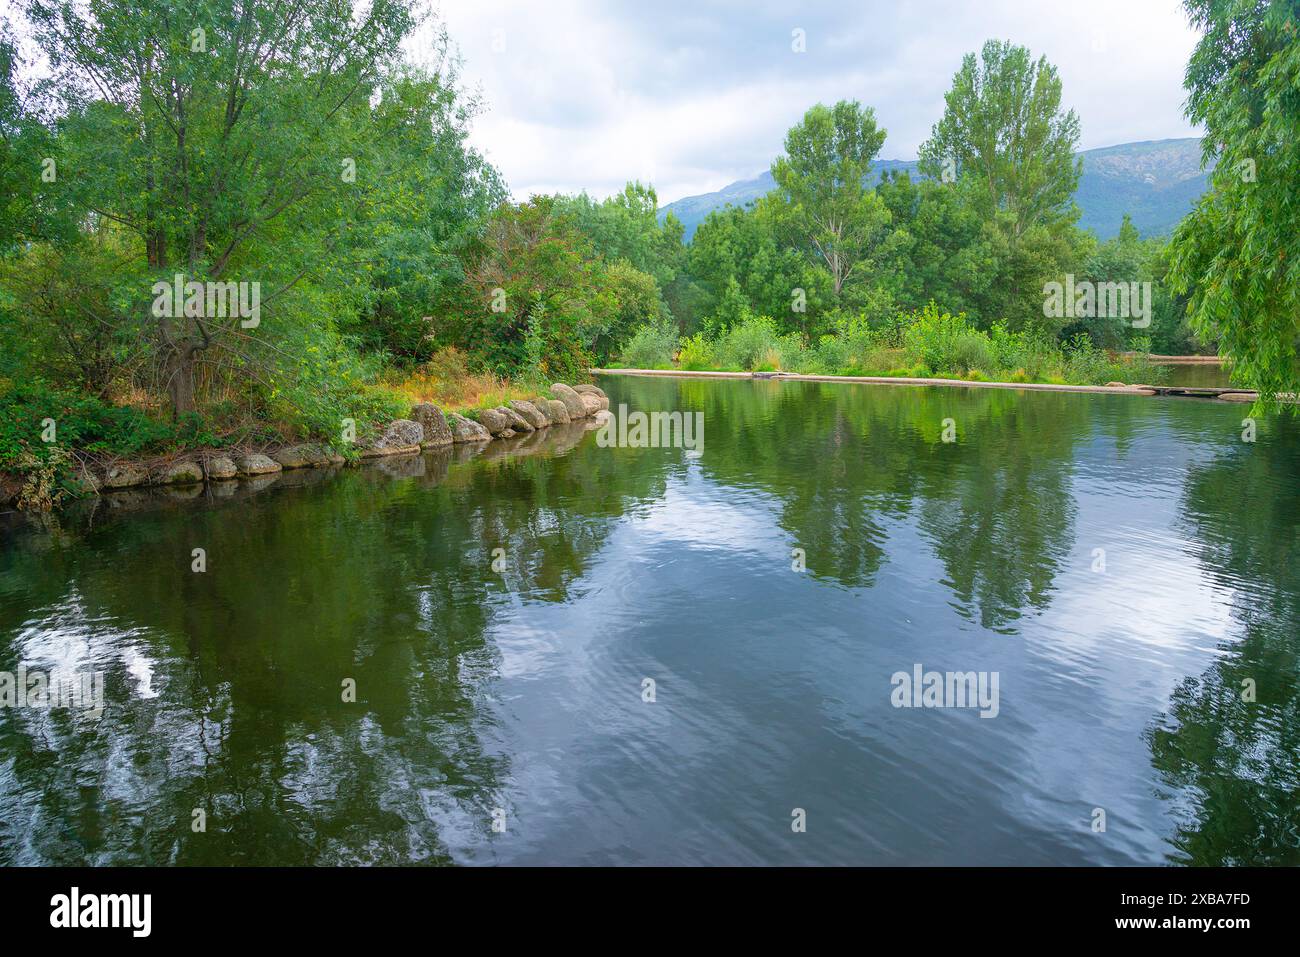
{"x":427,"y":427}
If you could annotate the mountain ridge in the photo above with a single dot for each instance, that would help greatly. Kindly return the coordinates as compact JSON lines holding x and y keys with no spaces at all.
{"x":1155,"y":181}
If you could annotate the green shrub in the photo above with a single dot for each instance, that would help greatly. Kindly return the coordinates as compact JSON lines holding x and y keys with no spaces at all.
{"x":696,"y":354}
{"x":972,"y":350}
{"x":833,"y":353}
{"x":86,"y":424}
{"x":1139,"y":368}
{"x":794,"y":355}
{"x":1085,"y":364}
{"x":747,"y":344}
{"x":651,"y":347}
{"x":944,"y":342}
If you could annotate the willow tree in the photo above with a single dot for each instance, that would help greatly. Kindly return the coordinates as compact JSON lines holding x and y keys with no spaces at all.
{"x":27,"y":161}
{"x":231,"y":138}
{"x":822,"y":193}
{"x":1236,"y":252}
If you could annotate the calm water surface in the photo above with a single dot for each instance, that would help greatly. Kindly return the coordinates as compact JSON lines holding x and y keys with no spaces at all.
{"x":1204,"y":375}
{"x":517,"y":696}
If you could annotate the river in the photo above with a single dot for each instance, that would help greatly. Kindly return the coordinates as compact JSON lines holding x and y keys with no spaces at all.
{"x":563,"y":653}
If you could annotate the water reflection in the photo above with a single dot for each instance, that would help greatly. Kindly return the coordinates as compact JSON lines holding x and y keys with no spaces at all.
{"x":516,"y":695}
{"x":1228,"y":745}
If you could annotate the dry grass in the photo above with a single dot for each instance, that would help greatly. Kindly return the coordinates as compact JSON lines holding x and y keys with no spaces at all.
{"x":445,"y":380}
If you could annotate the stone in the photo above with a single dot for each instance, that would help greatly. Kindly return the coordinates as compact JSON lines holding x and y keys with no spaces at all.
{"x":1239,"y":396}
{"x":1115,"y":385}
{"x":130,"y":499}
{"x":179,"y":473}
{"x":532,"y":415}
{"x":401,"y":466}
{"x":436,"y":430}
{"x":571,"y":400}
{"x":467,"y":430}
{"x":256,"y":483}
{"x":593,"y":390}
{"x":255,"y":463}
{"x":542,"y":403}
{"x":400,"y":435}
{"x":517,"y":422}
{"x":183,"y":491}
{"x":301,"y":456}
{"x":124,"y":476}
{"x":219,"y":468}
{"x":590,"y":402}
{"x":87,"y":482}
{"x":493,"y":420}
{"x":558,"y":411}
{"x":463,"y":452}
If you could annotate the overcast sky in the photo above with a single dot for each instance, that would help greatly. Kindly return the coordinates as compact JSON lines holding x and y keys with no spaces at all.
{"x":587,"y":94}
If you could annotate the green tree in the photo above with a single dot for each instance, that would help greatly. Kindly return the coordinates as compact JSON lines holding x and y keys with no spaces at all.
{"x":29,"y":207}
{"x":741,"y":266}
{"x":1007,"y":148}
{"x":1235,"y":254}
{"x":428,"y":202}
{"x":821,"y":194}
{"x":72,"y":309}
{"x":222,"y":136}
{"x":939,"y":250}
{"x":1123,"y":259}
{"x":626,"y":226}
{"x":637,"y":302}
{"x":534,"y":277}
{"x":641,"y":254}
{"x":1011,"y":145}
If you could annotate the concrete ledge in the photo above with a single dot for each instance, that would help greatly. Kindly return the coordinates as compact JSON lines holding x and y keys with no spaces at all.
{"x":1175,"y":360}
{"x":881,"y":380}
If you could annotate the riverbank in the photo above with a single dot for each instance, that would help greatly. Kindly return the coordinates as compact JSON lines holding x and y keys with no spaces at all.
{"x":426,"y":427}
{"x":1117,"y":388}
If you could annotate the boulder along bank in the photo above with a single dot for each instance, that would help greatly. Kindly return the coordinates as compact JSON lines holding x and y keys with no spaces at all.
{"x":426,"y":427}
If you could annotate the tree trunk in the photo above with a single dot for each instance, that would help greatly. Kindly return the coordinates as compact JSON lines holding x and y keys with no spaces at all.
{"x":180,"y":379}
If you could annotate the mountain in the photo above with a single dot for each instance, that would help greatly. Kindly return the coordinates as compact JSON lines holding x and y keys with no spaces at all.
{"x":1156,"y":182}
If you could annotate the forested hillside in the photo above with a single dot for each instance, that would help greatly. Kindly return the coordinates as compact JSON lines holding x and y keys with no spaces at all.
{"x":1155,"y":183}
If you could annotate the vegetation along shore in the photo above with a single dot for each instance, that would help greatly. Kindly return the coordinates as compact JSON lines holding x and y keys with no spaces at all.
{"x":178,"y":286}
{"x":426,"y":427}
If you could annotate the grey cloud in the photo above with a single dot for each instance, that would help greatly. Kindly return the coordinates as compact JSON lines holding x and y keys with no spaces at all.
{"x":590,"y":94}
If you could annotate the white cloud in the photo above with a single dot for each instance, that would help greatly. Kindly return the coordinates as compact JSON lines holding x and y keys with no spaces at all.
{"x":586,"y":95}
